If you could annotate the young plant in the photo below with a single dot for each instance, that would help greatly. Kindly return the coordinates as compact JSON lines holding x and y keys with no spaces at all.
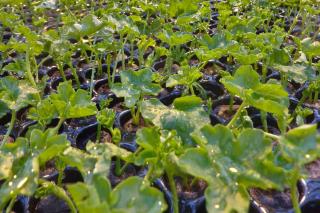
{"x":225,"y":163}
{"x":23,"y":160}
{"x":156,"y":149}
{"x":186,"y":115}
{"x":131,"y":195}
{"x":268,"y":97}
{"x":106,"y":118}
{"x":133,"y":87}
{"x":14,"y":95}
{"x":71,"y":104}
{"x":188,"y":77}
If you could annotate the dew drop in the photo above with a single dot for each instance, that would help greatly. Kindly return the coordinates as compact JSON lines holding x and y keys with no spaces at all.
{"x":10,"y":183}
{"x":218,"y":175}
{"x":233,"y":170}
{"x":217,"y":206}
{"x":11,"y":192}
{"x":307,"y":156}
{"x":22,"y":182}
{"x":159,"y":203}
{"x":15,"y":176}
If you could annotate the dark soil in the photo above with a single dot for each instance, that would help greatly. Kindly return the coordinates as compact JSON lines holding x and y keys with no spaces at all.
{"x":129,"y":126}
{"x":79,"y":122}
{"x":272,"y":200}
{"x":49,"y":204}
{"x":10,"y":139}
{"x":188,"y":191}
{"x":224,"y":112}
{"x":313,"y":169}
{"x":49,"y":169}
{"x":104,"y":90}
{"x":129,"y":171}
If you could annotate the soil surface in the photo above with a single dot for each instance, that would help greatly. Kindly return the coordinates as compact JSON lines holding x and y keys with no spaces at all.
{"x":271,"y":200}
{"x":313,"y":169}
{"x":129,"y":126}
{"x":224,"y":112}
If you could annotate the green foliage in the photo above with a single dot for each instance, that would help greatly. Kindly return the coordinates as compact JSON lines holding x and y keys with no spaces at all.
{"x":268,"y":97}
{"x":186,"y":116}
{"x":15,"y":94}
{"x":72,"y":104}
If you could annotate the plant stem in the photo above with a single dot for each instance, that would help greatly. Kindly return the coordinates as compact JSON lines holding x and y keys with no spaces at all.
{"x":236,"y":116}
{"x":110,"y":81}
{"x":294,"y":197}
{"x":74,"y":73}
{"x":174,"y":192}
{"x":10,"y":206}
{"x":98,"y":133}
{"x":118,"y":166}
{"x":59,"y":125}
{"x":91,"y":80}
{"x":263,"y":116}
{"x":231,"y":103}
{"x":60,"y":193}
{"x":61,"y":71}
{"x":149,"y":173}
{"x":135,"y":116}
{"x":191,"y":90}
{"x":28,"y":68}
{"x":11,"y":125}
{"x":316,"y":97}
{"x":272,"y":136}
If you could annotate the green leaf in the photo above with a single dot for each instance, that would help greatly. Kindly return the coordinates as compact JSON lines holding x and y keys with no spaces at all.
{"x":297,"y":72}
{"x":280,"y":56}
{"x":17,"y":67}
{"x":16,"y":94}
{"x":186,"y":76}
{"x":24,"y":183}
{"x":267,"y":97}
{"x":222,"y":199}
{"x":187,"y":103}
{"x":196,"y":162}
{"x":184,"y":120}
{"x":217,"y":41}
{"x":148,"y":138}
{"x":134,"y":85}
{"x":310,"y":48}
{"x":244,"y":78}
{"x":300,"y":144}
{"x":71,"y":104}
{"x":91,"y":197}
{"x":133,"y":197}
{"x":174,"y":38}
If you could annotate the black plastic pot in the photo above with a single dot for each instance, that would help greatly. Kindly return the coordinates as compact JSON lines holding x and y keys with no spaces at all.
{"x":303,"y":194}
{"x":213,"y":88}
{"x":118,"y":64}
{"x":85,"y":134}
{"x":52,"y":204}
{"x":312,"y":201}
{"x":88,"y":72}
{"x":224,"y":100}
{"x":104,"y":81}
{"x":161,"y":64}
{"x":168,"y":99}
{"x":20,"y":206}
{"x":83,"y":85}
